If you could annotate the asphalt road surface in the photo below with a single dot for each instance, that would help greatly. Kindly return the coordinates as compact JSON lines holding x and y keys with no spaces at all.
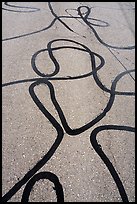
{"x":68,"y":106}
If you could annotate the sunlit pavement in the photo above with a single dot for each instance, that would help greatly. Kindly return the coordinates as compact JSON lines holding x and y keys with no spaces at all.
{"x":68,"y":104}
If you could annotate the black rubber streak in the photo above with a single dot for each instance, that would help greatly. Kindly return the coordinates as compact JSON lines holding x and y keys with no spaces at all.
{"x":43,"y":175}
{"x":46,"y":78}
{"x":28,"y":9}
{"x":31,"y":177}
{"x":85,"y":20}
{"x":105,"y":159}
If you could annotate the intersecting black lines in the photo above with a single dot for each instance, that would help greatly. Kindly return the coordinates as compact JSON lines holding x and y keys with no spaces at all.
{"x":43,"y":29}
{"x":50,"y":50}
{"x":94,"y":21}
{"x":90,"y":25}
{"x":86,"y":20}
{"x":31,"y":177}
{"x":46,"y":78}
{"x":95,"y":76}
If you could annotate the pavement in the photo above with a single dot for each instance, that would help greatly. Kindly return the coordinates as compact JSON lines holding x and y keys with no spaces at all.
{"x":68,"y":104}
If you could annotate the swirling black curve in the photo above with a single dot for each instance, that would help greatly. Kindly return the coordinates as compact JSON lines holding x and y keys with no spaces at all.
{"x":112,"y":91}
{"x":20,"y":7}
{"x":105,"y":159}
{"x":75,"y":132}
{"x":50,"y":50}
{"x":61,"y":114}
{"x":84,"y":48}
{"x":46,"y":157}
{"x":45,"y":80}
{"x":104,"y":23}
{"x":85,"y":19}
{"x":43,"y":29}
{"x":43,"y":175}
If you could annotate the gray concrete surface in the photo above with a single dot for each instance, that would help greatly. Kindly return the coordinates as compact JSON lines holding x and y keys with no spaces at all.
{"x":28,"y":135}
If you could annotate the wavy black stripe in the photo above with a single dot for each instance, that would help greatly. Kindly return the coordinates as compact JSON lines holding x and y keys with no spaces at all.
{"x":47,"y":156}
{"x":105,"y":159}
{"x":32,"y":9}
{"x":85,"y":19}
{"x":43,"y":175}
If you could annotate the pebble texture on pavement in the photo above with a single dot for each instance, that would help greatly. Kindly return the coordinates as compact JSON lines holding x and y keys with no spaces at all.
{"x":68,"y":101}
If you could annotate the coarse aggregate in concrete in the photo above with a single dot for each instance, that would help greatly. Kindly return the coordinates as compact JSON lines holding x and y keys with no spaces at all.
{"x":68,"y":78}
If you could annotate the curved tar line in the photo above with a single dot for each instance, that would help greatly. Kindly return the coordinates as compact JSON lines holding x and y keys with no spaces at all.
{"x":43,"y":175}
{"x":27,"y":34}
{"x":35,"y":32}
{"x":47,"y":76}
{"x":57,"y":66}
{"x":86,"y":49}
{"x":20,"y":7}
{"x":41,"y":30}
{"x":85,"y":19}
{"x":105,"y":159}
{"x":61,"y":114}
{"x":106,"y":24}
{"x":70,"y":78}
{"x":17,"y":186}
{"x":50,"y":50}
{"x":81,"y":17}
{"x":92,"y":122}
{"x":104,"y":88}
{"x":47,"y":156}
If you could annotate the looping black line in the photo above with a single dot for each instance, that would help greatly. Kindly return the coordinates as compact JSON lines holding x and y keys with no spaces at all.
{"x":31,"y":177}
{"x":67,"y":128}
{"x":32,"y":9}
{"x":112,"y":91}
{"x":102,"y":23}
{"x":43,"y":175}
{"x":85,"y":19}
{"x":50,"y":50}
